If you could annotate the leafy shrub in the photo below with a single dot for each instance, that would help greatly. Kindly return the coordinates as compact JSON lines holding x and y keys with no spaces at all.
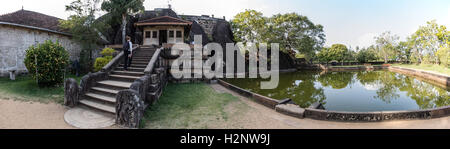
{"x":103,"y":61}
{"x":46,"y":63}
{"x":108,"y":52}
{"x":444,"y":56}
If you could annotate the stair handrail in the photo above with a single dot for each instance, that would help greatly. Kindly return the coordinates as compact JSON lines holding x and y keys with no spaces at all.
{"x":108,"y":67}
{"x":131,"y":103}
{"x":151,"y":65}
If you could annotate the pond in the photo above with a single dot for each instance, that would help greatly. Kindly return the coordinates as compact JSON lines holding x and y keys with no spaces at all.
{"x":359,"y":91}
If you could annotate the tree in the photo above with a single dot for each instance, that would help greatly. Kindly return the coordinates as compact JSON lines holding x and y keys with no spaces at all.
{"x":386,"y":44}
{"x":84,"y":28}
{"x":428,"y":39}
{"x":324,"y":55}
{"x":123,"y":8}
{"x":366,"y":55}
{"x":249,"y":26}
{"x":296,"y":33}
{"x":404,"y":50}
{"x":338,"y":52}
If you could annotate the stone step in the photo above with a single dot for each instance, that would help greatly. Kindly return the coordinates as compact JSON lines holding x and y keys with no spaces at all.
{"x":142,"y":57}
{"x":135,"y":65}
{"x":133,"y":69}
{"x":105,"y":91}
{"x":100,"y":97}
{"x":99,"y":106}
{"x":140,"y":62}
{"x":114,"y":85}
{"x":123,"y":78}
{"x":129,"y":73}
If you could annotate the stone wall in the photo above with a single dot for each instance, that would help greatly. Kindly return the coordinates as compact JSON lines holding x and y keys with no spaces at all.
{"x":14,"y":41}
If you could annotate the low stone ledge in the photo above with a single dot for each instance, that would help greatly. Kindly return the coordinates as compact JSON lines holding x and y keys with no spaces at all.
{"x":440,"y":112}
{"x":236,"y":89}
{"x":315,"y":114}
{"x":355,"y":117}
{"x":406,"y":115}
{"x":291,"y":110}
{"x":285,"y":101}
{"x":266,"y":101}
{"x":441,"y":79}
{"x":317,"y":105}
{"x":376,"y":116}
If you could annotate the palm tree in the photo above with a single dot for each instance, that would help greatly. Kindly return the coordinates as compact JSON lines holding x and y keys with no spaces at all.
{"x":123,"y":8}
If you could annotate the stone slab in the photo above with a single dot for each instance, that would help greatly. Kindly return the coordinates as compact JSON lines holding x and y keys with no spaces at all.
{"x":291,"y":110}
{"x":85,"y":118}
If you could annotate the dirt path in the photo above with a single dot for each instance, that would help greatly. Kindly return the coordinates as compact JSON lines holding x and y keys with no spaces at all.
{"x":27,"y":115}
{"x":261,"y":117}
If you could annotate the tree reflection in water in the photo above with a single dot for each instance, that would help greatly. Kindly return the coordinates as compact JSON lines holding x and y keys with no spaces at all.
{"x":308,"y":87}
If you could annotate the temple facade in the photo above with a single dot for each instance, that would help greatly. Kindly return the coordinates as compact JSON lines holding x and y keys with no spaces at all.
{"x":163,"y":30}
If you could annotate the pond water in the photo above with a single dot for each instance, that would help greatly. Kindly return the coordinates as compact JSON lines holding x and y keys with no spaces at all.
{"x":361,"y":91}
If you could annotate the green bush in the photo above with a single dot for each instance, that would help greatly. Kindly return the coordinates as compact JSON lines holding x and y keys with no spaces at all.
{"x":103,"y":61}
{"x":107,"y":52}
{"x":444,"y":56}
{"x":46,"y":63}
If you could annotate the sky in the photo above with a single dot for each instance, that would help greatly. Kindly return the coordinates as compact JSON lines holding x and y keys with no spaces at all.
{"x":350,"y":22}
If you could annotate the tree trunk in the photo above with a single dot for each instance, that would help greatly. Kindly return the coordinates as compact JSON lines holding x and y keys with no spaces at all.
{"x":124,"y":27}
{"x":385,"y":59}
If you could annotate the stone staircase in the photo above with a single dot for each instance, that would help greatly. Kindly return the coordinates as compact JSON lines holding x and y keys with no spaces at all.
{"x":102,"y":96}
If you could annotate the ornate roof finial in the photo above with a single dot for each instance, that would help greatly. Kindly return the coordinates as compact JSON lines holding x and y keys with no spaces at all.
{"x":168,"y":3}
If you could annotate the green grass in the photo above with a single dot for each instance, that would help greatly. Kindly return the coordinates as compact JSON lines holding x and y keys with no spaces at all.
{"x":434,"y":68}
{"x":25,"y":88}
{"x":191,"y":106}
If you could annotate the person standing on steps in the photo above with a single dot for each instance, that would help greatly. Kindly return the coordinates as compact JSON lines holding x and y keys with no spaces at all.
{"x":128,"y":53}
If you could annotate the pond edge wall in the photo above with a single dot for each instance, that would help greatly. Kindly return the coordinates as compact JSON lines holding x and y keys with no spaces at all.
{"x":318,"y":114}
{"x":440,"y":79}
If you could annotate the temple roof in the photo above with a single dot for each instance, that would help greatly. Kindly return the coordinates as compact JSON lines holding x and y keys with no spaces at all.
{"x":33,"y":19}
{"x":163,"y":20}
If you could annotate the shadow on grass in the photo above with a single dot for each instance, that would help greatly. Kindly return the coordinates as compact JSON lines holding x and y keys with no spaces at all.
{"x":25,"y":88}
{"x":188,"y":106}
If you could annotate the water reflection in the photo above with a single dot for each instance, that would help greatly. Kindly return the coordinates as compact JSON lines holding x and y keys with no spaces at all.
{"x":354,"y":91}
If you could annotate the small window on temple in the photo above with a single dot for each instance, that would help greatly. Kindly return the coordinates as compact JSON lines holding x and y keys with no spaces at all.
{"x":155,"y":34}
{"x":171,"y":34}
{"x":178,"y":34}
{"x":147,"y":34}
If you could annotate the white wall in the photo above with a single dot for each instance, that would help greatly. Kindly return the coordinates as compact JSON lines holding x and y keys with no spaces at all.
{"x":14,"y":41}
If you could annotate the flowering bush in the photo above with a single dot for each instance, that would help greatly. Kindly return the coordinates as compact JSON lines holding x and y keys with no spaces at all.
{"x":46,"y":63}
{"x":103,"y":61}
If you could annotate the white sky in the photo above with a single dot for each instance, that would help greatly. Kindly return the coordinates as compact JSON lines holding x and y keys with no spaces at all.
{"x":350,"y":22}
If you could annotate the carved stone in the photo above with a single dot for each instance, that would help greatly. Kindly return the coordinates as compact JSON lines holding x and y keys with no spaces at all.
{"x":130,"y":109}
{"x":71,"y":96}
{"x":90,"y":79}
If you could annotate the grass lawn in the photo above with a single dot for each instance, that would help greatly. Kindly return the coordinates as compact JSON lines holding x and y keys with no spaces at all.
{"x":190,"y":106}
{"x":25,"y":88}
{"x":434,"y":68}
